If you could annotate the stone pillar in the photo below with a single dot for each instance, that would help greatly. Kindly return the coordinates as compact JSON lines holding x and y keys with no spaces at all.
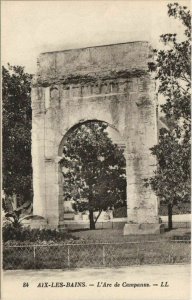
{"x":38,"y":152}
{"x":44,"y":161}
{"x":52,"y":193}
{"x":142,"y":205}
{"x":60,"y":195}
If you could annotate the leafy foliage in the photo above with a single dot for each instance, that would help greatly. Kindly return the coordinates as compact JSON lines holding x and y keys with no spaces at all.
{"x":16,"y":109}
{"x":173,"y":71}
{"x":171,"y":181}
{"x":93,"y":169}
{"x":25,"y":234}
{"x":172,"y":178}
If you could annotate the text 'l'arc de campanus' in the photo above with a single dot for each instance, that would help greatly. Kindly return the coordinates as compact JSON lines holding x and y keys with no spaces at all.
{"x":111,"y":84}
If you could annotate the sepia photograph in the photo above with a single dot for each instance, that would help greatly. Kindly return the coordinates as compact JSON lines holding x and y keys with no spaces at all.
{"x":96,"y":150}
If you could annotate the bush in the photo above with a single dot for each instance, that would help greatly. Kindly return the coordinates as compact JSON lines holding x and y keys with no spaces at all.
{"x":120,"y":212}
{"x":11,"y":232}
{"x":21,"y":234}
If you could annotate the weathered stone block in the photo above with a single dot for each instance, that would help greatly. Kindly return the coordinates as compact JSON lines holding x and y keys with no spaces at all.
{"x":145,"y":228}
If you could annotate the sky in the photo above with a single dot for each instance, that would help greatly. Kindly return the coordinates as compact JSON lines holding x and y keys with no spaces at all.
{"x":29,"y":28}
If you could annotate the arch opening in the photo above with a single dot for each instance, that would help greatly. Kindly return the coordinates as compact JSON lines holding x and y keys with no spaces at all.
{"x":71,"y":129}
{"x":92,"y":172}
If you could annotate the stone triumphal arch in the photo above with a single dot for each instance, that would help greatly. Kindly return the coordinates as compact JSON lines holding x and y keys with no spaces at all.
{"x":106,"y":83}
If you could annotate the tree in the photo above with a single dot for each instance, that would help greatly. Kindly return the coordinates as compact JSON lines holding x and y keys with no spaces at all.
{"x":16,"y":111}
{"x":93,"y":169}
{"x":171,"y":181}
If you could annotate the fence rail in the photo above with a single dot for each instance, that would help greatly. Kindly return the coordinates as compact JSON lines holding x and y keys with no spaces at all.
{"x":60,"y":256}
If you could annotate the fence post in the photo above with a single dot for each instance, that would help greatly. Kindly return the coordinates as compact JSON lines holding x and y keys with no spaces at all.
{"x":137,"y":251}
{"x":104,"y":255}
{"x":68,"y":256}
{"x":34,"y":256}
{"x":171,"y":254}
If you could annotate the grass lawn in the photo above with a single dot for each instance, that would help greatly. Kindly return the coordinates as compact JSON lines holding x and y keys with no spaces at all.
{"x":116,"y":235}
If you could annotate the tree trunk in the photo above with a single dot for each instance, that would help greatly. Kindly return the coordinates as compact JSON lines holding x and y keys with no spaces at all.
{"x":98,"y":216}
{"x":91,"y":219}
{"x":170,"y":223}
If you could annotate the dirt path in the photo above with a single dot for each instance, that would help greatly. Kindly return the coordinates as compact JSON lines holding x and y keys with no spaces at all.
{"x":130,"y":283}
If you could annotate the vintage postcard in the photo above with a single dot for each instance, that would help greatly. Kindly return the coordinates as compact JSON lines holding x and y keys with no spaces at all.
{"x":96,"y":150}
